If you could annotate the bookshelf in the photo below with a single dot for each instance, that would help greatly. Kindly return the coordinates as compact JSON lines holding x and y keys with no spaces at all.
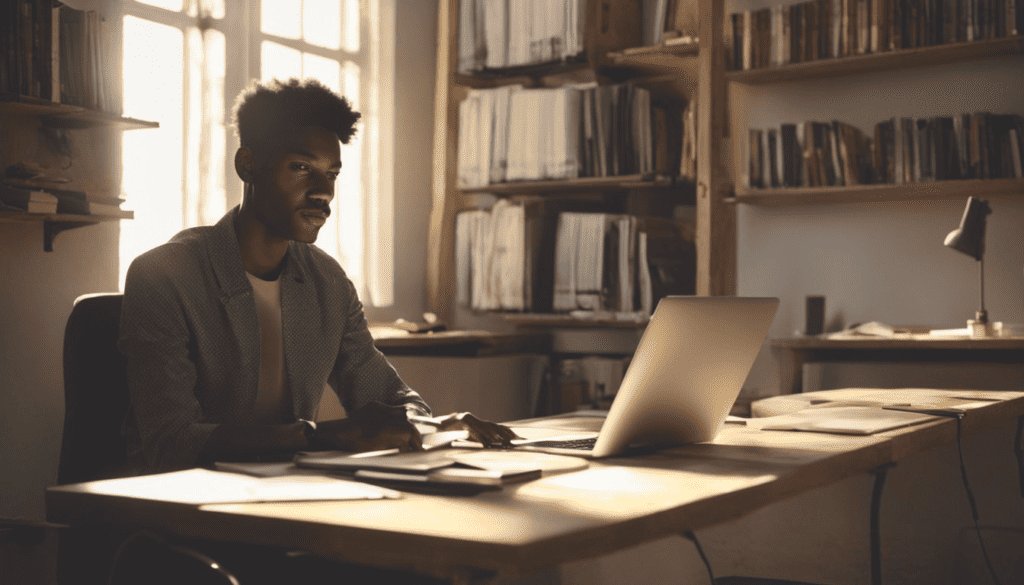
{"x":1002,"y":42}
{"x":63,"y":149}
{"x":611,"y":55}
{"x":675,"y":69}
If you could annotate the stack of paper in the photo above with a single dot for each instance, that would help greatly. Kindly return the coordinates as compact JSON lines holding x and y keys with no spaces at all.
{"x":496,"y":34}
{"x":202,"y":486}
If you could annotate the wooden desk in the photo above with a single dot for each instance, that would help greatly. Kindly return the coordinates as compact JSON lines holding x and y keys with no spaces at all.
{"x":792,"y":354}
{"x":615,"y":504}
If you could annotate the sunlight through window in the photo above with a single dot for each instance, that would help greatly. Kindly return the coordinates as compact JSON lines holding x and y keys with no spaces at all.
{"x":175,"y":5}
{"x":179,"y":67}
{"x":321,"y":23}
{"x":153,"y":90}
{"x":282,"y":18}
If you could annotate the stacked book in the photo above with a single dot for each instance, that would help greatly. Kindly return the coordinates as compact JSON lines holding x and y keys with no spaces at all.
{"x":27,"y":197}
{"x":513,"y":134}
{"x":979,"y":145}
{"x":824,"y":29}
{"x":533,"y":255}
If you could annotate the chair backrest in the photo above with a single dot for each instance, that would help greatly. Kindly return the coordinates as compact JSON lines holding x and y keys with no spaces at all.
{"x":95,"y":391}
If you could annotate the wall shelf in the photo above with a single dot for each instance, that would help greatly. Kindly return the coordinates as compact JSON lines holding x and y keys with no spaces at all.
{"x":624,"y":182}
{"x":882,"y":62}
{"x":658,"y":57}
{"x":67,"y":116}
{"x":937,"y":190}
{"x":54,"y":223}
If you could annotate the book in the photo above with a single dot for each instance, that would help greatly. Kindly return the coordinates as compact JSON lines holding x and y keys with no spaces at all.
{"x":28,"y":200}
{"x":846,"y":420}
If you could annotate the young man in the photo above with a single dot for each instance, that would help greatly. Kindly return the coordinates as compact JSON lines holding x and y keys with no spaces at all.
{"x":232,"y":331}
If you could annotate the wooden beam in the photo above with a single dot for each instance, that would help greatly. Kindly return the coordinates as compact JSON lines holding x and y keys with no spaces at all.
{"x":441,"y":235}
{"x":716,"y":218}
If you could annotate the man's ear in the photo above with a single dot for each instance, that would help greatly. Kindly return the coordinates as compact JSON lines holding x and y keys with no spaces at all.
{"x":245,"y":164}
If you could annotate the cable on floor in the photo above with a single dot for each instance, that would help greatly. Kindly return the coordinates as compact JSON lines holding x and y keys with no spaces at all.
{"x":970,"y":496}
{"x":689,"y":535}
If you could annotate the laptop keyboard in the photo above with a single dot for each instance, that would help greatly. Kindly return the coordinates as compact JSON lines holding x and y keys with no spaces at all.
{"x":578,"y":444}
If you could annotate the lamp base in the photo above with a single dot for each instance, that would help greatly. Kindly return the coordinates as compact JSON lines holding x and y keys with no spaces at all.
{"x":983,"y":329}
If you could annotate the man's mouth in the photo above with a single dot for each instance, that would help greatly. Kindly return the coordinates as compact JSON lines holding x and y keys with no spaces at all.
{"x":316,"y":216}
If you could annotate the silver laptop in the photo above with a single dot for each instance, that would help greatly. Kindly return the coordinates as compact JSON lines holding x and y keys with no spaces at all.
{"x":687,"y":371}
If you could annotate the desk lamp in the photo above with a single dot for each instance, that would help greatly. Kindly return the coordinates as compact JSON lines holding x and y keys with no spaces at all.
{"x":969,"y":238}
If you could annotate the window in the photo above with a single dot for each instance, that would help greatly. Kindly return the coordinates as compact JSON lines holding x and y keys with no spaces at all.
{"x":184,"y":61}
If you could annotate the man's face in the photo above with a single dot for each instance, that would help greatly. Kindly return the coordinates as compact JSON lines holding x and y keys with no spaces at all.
{"x":294,"y":189}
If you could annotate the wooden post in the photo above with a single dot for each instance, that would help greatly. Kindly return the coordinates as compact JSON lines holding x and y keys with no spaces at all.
{"x":441,"y":235}
{"x":716,"y":219}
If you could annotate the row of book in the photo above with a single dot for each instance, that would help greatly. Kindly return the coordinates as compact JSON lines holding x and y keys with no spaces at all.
{"x":824,"y":29}
{"x":979,"y":145}
{"x":33,"y":199}
{"x":513,"y":134}
{"x":531,"y":254}
{"x":496,"y":34}
{"x":54,"y":53}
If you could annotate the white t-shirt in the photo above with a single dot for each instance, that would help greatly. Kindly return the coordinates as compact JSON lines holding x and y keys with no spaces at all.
{"x":273,"y":399}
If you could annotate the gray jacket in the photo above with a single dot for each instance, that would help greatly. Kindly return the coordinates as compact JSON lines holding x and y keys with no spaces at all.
{"x":191,"y":334}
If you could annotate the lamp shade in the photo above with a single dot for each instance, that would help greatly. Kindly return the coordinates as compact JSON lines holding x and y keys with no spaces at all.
{"x":969,"y":238}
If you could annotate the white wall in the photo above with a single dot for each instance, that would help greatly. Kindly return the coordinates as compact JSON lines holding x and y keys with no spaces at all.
{"x":36,"y":293}
{"x":415,"y":56}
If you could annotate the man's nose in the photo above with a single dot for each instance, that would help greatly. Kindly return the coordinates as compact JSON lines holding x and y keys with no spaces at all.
{"x":324,"y":189}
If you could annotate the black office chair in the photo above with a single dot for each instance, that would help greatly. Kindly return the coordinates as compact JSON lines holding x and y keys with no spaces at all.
{"x":95,"y":405}
{"x":95,"y":392}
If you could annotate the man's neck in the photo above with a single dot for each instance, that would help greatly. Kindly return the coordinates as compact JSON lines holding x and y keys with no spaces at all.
{"x":263,"y":255}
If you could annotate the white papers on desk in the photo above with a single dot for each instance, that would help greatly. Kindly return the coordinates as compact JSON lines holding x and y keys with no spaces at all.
{"x":202,"y":486}
{"x":846,"y":420}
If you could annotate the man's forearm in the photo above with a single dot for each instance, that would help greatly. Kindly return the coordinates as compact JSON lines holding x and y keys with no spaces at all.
{"x":234,"y":441}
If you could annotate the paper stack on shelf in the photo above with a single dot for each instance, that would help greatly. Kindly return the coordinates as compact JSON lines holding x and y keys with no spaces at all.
{"x":515,"y":134}
{"x":497,"y":34}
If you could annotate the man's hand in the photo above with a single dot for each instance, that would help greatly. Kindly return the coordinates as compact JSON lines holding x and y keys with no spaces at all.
{"x":372,"y":427}
{"x":487,"y":433}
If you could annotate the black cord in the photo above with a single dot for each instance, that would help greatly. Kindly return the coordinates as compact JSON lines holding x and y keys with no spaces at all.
{"x":707,"y":564}
{"x":970,"y":497}
{"x":1019,"y":452}
{"x":876,"y":538}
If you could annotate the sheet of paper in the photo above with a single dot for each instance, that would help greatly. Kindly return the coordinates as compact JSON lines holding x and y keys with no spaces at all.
{"x":203,"y":486}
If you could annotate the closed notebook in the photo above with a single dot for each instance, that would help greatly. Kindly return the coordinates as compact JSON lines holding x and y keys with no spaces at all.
{"x":845,"y":420}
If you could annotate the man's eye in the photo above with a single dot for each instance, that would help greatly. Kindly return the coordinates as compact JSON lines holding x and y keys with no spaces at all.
{"x":300,"y":167}
{"x":332,"y":176}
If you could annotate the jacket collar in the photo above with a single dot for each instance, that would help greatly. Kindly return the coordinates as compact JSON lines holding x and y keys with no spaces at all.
{"x":226,"y":258}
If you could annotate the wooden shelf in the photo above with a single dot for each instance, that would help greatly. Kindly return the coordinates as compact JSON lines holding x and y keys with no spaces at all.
{"x":54,"y":223}
{"x":67,"y":116}
{"x":938,"y":190}
{"x":565,"y":320}
{"x":882,"y":62}
{"x":526,"y":75}
{"x":658,"y":57}
{"x":624,"y":182}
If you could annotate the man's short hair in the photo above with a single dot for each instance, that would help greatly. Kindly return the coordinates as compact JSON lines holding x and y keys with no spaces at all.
{"x":265,"y":113}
